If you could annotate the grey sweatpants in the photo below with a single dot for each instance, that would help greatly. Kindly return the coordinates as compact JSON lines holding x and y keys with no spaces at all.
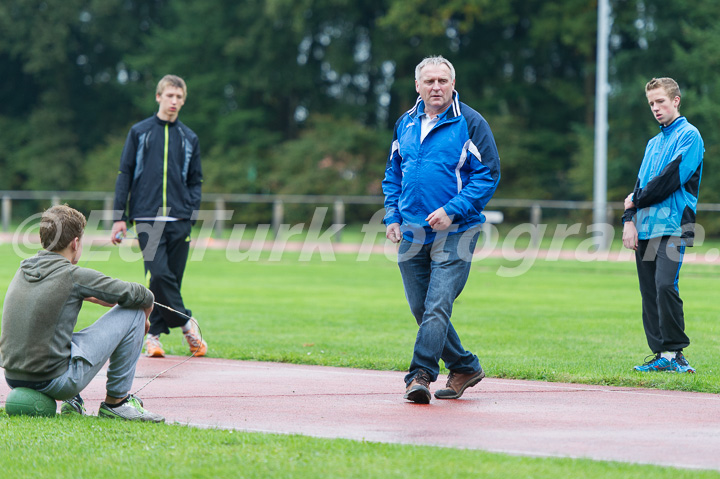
{"x":117,"y":336}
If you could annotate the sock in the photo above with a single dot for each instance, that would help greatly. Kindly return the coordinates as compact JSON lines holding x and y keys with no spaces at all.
{"x":113,"y":406}
{"x":187,"y":326}
{"x":669,"y":355}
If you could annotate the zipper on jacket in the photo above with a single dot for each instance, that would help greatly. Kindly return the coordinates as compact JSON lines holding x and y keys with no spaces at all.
{"x":165,"y":168}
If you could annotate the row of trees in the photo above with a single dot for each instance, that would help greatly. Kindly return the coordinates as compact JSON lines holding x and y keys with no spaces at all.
{"x":300,"y":96}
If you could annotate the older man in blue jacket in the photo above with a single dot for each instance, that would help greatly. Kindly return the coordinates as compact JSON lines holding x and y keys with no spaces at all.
{"x":442,"y":170}
{"x":659,"y":222}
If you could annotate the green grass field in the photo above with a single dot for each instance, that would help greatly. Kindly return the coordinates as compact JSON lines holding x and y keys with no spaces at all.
{"x":559,"y":321}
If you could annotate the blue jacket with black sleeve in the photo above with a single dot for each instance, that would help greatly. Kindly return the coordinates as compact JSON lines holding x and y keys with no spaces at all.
{"x":667,"y":188}
{"x":456,"y":167}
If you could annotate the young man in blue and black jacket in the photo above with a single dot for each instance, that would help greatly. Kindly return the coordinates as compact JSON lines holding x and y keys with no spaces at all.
{"x":659,"y":222}
{"x":442,"y":170}
{"x":158,"y":188}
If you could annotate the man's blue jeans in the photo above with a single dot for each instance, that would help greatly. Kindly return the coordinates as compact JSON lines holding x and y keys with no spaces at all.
{"x":434,"y":275}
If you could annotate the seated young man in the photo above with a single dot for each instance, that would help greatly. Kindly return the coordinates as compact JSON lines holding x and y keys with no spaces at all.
{"x":38,"y":348}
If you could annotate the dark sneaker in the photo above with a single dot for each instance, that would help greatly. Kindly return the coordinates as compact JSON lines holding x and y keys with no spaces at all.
{"x":75,"y":405}
{"x":680,"y":364}
{"x":132,"y":410}
{"x":418,"y":390}
{"x":655,"y":363}
{"x":457,"y":383}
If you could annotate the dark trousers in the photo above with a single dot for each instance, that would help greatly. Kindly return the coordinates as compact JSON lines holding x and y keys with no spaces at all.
{"x":658,"y":264}
{"x":165,"y":247}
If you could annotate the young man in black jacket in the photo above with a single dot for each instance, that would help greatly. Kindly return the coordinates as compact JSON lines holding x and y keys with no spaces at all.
{"x":158,"y":188}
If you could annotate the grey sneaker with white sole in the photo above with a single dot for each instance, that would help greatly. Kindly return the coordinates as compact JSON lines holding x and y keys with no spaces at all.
{"x":131,"y":410}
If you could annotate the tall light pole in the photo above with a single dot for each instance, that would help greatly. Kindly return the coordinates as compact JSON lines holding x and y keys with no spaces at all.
{"x":601,"y":122}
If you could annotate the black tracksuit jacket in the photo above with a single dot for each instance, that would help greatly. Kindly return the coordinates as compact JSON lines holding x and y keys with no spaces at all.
{"x":160,"y":172}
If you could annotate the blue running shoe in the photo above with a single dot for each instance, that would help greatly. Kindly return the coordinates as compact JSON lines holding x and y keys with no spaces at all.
{"x":680,"y":364}
{"x":655,"y":363}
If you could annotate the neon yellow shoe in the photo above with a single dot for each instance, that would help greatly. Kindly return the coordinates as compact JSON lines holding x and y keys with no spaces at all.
{"x":132,"y":410}
{"x":74,"y":405}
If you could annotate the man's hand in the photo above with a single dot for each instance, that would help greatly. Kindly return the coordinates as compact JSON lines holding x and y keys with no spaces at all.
{"x":439,"y":220}
{"x":147,"y":311}
{"x":392,"y":232}
{"x":630,"y":235}
{"x":629,"y":202}
{"x":118,"y":232}
{"x":93,"y":299}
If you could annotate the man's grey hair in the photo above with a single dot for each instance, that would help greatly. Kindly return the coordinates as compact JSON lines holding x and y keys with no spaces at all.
{"x":436,"y":60}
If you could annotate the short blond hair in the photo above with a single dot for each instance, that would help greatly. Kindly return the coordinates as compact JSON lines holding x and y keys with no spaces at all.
{"x":60,"y":225}
{"x":171,"y":80}
{"x":666,"y":83}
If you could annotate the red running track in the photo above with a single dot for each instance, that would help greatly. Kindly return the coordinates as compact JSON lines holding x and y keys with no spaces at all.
{"x":517,"y":417}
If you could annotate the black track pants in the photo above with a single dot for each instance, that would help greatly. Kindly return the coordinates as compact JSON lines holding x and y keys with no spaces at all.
{"x":658,"y":264}
{"x":165,"y":247}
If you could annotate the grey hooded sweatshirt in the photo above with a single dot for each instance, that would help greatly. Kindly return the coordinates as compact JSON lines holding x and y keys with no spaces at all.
{"x":41,"y":309}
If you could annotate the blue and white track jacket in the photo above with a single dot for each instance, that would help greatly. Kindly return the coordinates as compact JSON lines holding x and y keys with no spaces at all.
{"x":456,"y":167}
{"x":666,"y":191}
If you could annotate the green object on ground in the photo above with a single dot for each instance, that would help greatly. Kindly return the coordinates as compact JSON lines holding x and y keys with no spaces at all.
{"x":28,"y":402}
